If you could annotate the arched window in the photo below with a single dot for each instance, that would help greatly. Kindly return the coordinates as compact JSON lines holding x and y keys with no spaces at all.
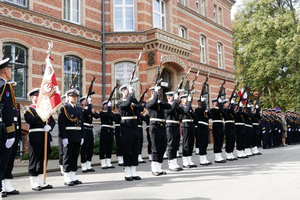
{"x":202,"y":49}
{"x":18,"y":55}
{"x":123,"y":71}
{"x":159,"y":10}
{"x":72,"y":68}
{"x":182,"y":32}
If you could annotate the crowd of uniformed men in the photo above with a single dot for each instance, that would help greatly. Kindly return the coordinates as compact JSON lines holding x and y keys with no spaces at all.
{"x":242,"y":125}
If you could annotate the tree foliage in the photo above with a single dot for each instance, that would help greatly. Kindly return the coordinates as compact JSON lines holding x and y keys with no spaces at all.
{"x":266,"y":44}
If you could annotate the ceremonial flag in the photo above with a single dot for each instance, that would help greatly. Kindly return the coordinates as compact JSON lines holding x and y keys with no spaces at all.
{"x":49,"y":100}
{"x":245,"y":95}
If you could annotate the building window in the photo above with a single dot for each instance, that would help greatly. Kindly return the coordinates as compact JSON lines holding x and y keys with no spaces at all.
{"x":72,"y":10}
{"x":18,"y":56}
{"x":182,"y":32}
{"x":72,"y":68}
{"x":203,"y":7}
{"x":123,"y":71}
{"x":183,"y":2}
{"x":159,"y":14}
{"x":220,"y":16}
{"x":206,"y":96}
{"x":215,"y":10}
{"x":124,"y":17}
{"x":197,"y":6}
{"x":202,"y":50}
{"x":23,"y":3}
{"x":219,"y":49}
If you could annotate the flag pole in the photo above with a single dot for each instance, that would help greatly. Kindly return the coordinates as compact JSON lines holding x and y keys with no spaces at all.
{"x":45,"y":154}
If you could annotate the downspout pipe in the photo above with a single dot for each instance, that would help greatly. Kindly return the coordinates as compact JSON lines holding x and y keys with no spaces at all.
{"x":103,"y":50}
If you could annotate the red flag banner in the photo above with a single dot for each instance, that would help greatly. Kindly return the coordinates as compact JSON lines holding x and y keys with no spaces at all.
{"x":49,"y":100}
{"x":244,"y":96}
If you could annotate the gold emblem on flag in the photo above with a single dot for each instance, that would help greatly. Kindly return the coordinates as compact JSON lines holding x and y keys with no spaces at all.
{"x":47,"y":88}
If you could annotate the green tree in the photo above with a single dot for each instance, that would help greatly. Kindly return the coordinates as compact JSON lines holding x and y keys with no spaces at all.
{"x":266,"y":44}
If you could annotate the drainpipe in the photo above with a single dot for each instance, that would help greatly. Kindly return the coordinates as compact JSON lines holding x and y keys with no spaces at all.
{"x":103,"y":50}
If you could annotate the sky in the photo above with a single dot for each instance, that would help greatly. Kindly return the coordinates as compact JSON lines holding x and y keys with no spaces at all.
{"x":233,"y":9}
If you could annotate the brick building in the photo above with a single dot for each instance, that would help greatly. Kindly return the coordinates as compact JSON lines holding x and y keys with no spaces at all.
{"x":180,"y":33}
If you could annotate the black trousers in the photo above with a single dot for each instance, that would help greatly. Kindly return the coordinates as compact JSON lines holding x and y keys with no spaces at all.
{"x":255,"y":136}
{"x":158,"y":141}
{"x":87,"y":148}
{"x":290,"y":137}
{"x":275,"y":137}
{"x":230,"y":137}
{"x":248,"y":137}
{"x":270,"y":139}
{"x":197,"y":137}
{"x":70,"y":157}
{"x":141,"y":139}
{"x":203,"y":139}
{"x":240,"y":133}
{"x":265,"y":139}
{"x":296,"y":136}
{"x":36,"y":158}
{"x":173,"y":137}
{"x":188,"y":138}
{"x":149,"y":141}
{"x":118,"y":140}
{"x":218,"y":134}
{"x":60,"y":151}
{"x":11,"y":160}
{"x":4,"y":157}
{"x":131,"y":145}
{"x":106,"y":143}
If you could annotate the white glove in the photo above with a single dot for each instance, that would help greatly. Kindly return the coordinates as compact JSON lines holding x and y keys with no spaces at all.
{"x":248,"y":106}
{"x":51,"y":144}
{"x":241,"y":104}
{"x":156,"y":88}
{"x":130,"y":89}
{"x":203,"y":99}
{"x":89,"y":100}
{"x":109,"y":104}
{"x":289,"y":129}
{"x":65,"y":142}
{"x":299,"y":129}
{"x":220,"y":100}
{"x":279,"y":131}
{"x":47,"y":128}
{"x":158,"y":101}
{"x":206,"y":111}
{"x":189,"y":98}
{"x":232,"y":101}
{"x":9,"y":142}
{"x":264,"y":131}
{"x":82,"y":141}
{"x":176,"y":95}
{"x":256,"y":106}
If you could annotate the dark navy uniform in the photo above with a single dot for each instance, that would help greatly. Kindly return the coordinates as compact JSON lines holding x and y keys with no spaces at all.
{"x":255,"y":123}
{"x":147,"y":116}
{"x":229,"y":128}
{"x":141,"y":118}
{"x":248,"y":130}
{"x":289,"y":122}
{"x":265,"y":128}
{"x":118,"y":134}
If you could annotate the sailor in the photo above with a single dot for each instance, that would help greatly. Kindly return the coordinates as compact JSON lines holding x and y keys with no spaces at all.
{"x":256,"y":135}
{"x":119,"y":152}
{"x":289,"y":122}
{"x":7,"y":126}
{"x":71,"y":130}
{"x":147,"y":117}
{"x":60,"y":144}
{"x":106,"y":142}
{"x":248,"y":129}
{"x":157,"y":130}
{"x":218,"y":132}
{"x":272,"y":128}
{"x":36,"y":137}
{"x":141,"y":118}
{"x":87,"y":147}
{"x":173,"y":129}
{"x":265,"y":128}
{"x":203,"y":128}
{"x":129,"y":107}
{"x":240,"y":130}
{"x":276,"y":127}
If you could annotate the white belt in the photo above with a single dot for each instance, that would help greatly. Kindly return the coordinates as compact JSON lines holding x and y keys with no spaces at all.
{"x":201,"y":122}
{"x":248,"y":125}
{"x":18,"y":127}
{"x":187,"y":120}
{"x":106,"y":125}
{"x":196,"y":126}
{"x":217,"y":121}
{"x":255,"y":124}
{"x":140,"y":126}
{"x":15,"y":119}
{"x":0,"y":119}
{"x":87,"y":124}
{"x":147,"y":126}
{"x":117,"y":124}
{"x":157,"y":120}
{"x":172,"y":121}
{"x":77,"y":128}
{"x":129,"y":117}
{"x":229,"y":121}
{"x":36,"y":130}
{"x":242,"y":124}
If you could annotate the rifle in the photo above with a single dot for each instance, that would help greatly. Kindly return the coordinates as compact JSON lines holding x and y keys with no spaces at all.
{"x":181,"y":81}
{"x":221,"y":89}
{"x":158,"y":78}
{"x":91,"y":92}
{"x":204,"y":86}
{"x":71,"y":84}
{"x":112,"y":92}
{"x":191,"y":90}
{"x":143,"y":95}
{"x":131,"y":79}
{"x":233,"y":95}
{"x":258,"y":102}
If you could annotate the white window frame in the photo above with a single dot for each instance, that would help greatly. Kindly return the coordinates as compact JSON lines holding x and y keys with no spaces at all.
{"x":220,"y":55}
{"x":124,"y":6}
{"x":180,"y":30}
{"x":202,"y":49}
{"x":70,"y":10}
{"x":203,"y":7}
{"x":184,"y":2}
{"x":215,"y":17}
{"x":197,"y":6}
{"x":17,"y":2}
{"x":160,"y":15}
{"x":220,"y":16}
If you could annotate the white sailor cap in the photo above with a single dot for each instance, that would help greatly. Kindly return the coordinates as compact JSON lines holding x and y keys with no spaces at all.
{"x":82,"y":98}
{"x":225,"y":101}
{"x":123,"y":87}
{"x":169,"y":93}
{"x":72,"y":92}
{"x":34,"y":92}
{"x":153,"y":88}
{"x":14,"y":84}
{"x":63,"y":96}
{"x":264,"y":109}
{"x":183,"y":96}
{"x":104,"y":102}
{"x":5,"y":63}
{"x":214,"y":100}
